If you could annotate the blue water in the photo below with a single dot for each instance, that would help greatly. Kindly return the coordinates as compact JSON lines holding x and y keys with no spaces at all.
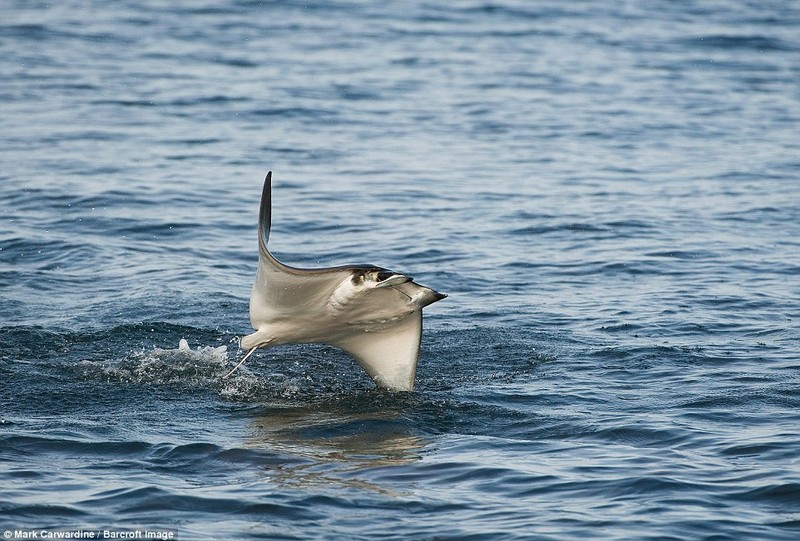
{"x":608,"y":191}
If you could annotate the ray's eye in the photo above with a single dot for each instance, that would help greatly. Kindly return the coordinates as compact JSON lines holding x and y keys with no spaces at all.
{"x":358,"y":278}
{"x":384,"y":275}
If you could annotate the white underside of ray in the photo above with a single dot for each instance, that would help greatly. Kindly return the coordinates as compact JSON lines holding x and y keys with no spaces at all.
{"x":381,"y":329}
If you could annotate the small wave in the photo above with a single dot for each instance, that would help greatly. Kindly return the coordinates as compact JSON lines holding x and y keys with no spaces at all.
{"x":783,"y":495}
{"x":574,"y":227}
{"x":295,"y":112}
{"x":156,"y":230}
{"x":46,"y":253}
{"x":756,"y":43}
{"x":38,"y":32}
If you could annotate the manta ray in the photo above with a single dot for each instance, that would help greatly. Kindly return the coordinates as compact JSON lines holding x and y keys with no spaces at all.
{"x":372,"y":313}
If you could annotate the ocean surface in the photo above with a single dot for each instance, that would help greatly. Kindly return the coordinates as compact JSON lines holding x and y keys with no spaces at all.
{"x":608,"y":191}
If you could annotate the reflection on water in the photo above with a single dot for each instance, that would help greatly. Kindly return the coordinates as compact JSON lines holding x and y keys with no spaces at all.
{"x":336,"y":445}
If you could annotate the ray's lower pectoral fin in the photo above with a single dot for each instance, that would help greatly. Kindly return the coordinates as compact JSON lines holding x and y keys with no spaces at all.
{"x":388,"y":355}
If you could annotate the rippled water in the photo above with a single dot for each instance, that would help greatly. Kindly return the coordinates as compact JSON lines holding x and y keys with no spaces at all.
{"x":607,"y":191}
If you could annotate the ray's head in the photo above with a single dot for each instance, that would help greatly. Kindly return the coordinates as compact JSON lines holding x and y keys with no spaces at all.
{"x":372,"y":282}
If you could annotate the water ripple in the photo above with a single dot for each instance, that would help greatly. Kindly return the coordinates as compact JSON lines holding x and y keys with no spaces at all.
{"x":603,"y":189}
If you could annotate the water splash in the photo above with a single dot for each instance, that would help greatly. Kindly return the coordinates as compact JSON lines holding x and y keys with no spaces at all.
{"x":182,"y":365}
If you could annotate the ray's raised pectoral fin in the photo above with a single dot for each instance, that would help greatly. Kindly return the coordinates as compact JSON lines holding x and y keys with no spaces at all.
{"x":265,"y":213}
{"x":389,"y":354}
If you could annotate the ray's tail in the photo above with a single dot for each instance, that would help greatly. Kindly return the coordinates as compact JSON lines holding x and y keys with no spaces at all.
{"x":240,"y":363}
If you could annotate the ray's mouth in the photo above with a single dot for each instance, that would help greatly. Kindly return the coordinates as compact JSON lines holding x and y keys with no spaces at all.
{"x":392,"y":279}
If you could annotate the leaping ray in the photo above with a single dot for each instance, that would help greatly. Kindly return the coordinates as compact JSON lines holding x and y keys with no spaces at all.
{"x":372,"y":313}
